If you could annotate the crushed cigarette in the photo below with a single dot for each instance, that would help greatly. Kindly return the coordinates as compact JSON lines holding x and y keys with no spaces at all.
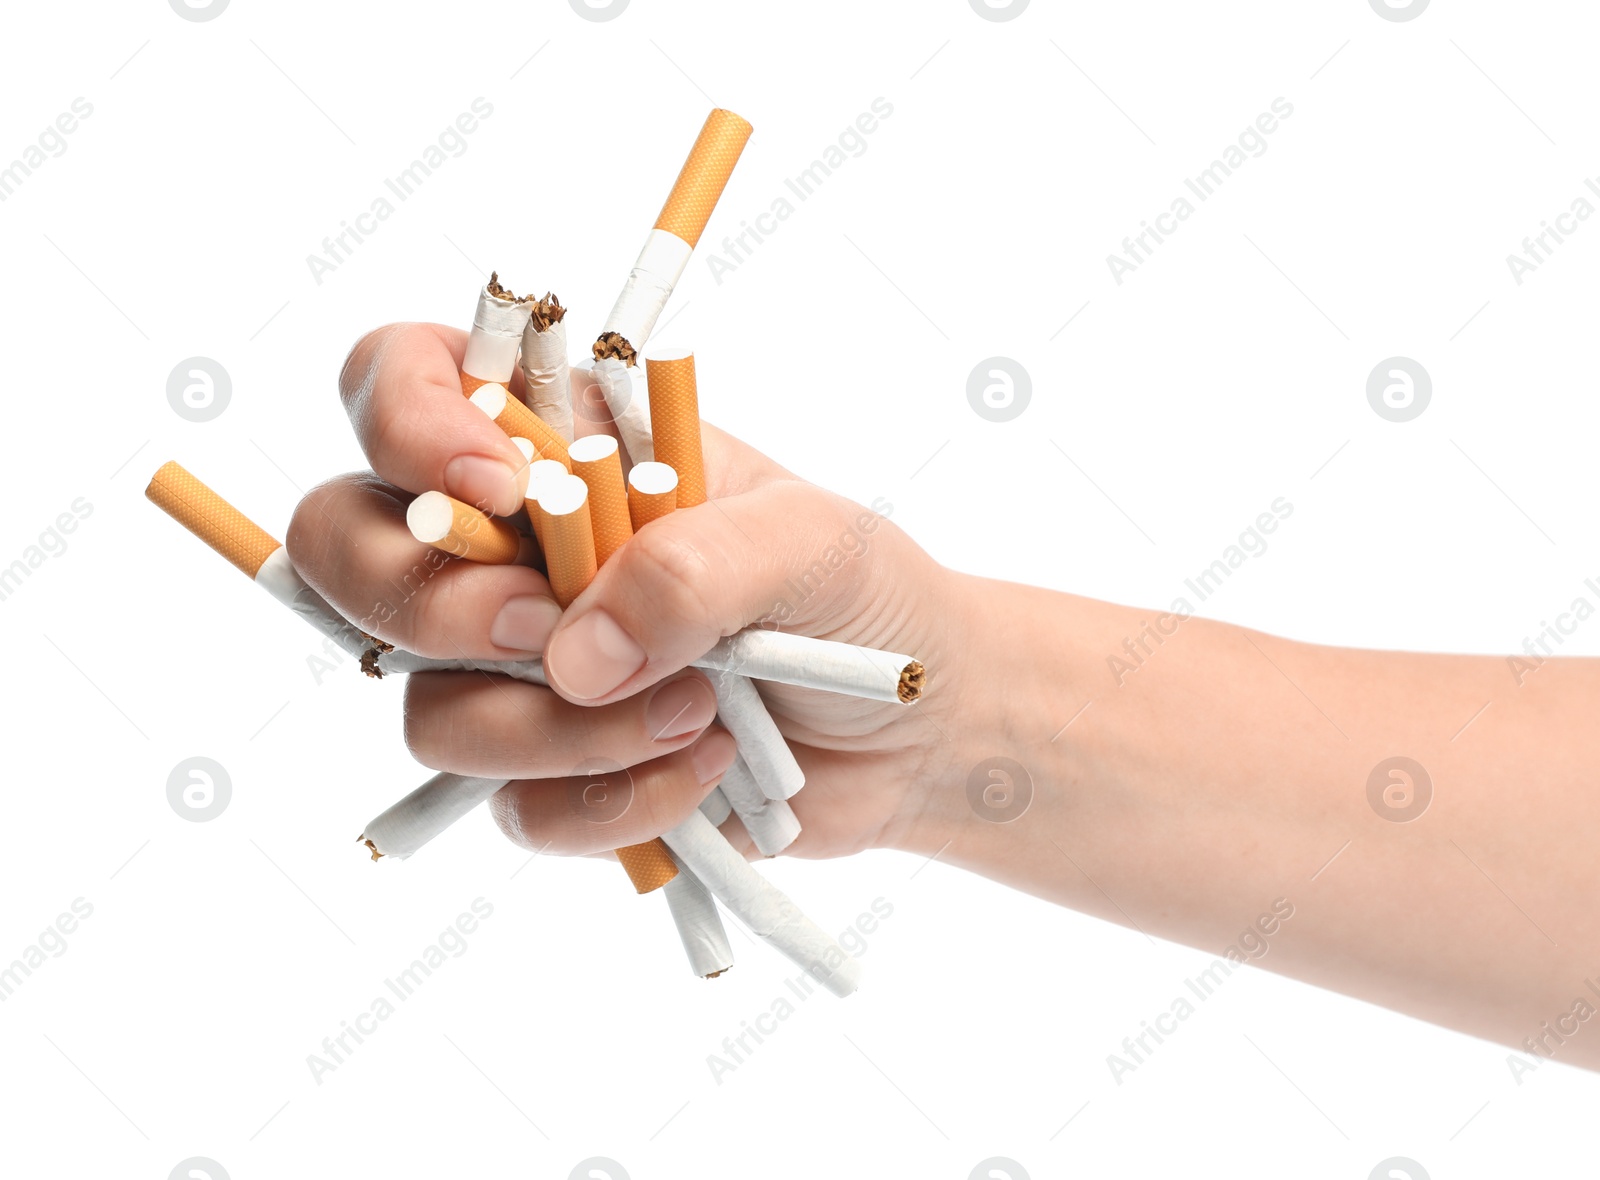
{"x":497,"y":325}
{"x":545,"y":373}
{"x":694,"y":912}
{"x":772,"y":823}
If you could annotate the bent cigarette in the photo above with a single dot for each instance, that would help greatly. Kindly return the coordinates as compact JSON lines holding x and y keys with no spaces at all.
{"x":652,"y":493}
{"x":402,"y":828}
{"x":715,"y":807}
{"x":819,"y":663}
{"x":497,"y":325}
{"x":596,"y":462}
{"x":772,"y":823}
{"x":742,"y":711}
{"x":694,"y":912}
{"x":517,"y":421}
{"x":544,"y":366}
{"x":677,"y":231}
{"x":627,"y":410}
{"x":675,"y":421}
{"x":462,"y":531}
{"x":760,"y":905}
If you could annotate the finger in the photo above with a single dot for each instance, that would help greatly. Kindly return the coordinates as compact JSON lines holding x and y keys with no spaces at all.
{"x":591,"y":813}
{"x":494,"y":727}
{"x":699,"y":574}
{"x":349,"y":540}
{"x":401,"y":386}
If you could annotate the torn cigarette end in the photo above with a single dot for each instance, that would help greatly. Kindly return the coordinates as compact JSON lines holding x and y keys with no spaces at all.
{"x":913,"y":677}
{"x":371,"y":847}
{"x":715,"y":974}
{"x":208,"y":516}
{"x":705,"y":173}
{"x":611,"y":344}
{"x":369,"y":662}
{"x":547,"y":312}
{"x":649,"y":865}
{"x":499,"y":292}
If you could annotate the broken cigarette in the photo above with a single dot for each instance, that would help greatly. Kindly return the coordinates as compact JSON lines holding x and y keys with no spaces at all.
{"x":760,"y":905}
{"x":742,"y":711}
{"x":545,"y":375}
{"x":652,"y":493}
{"x":677,"y":231}
{"x":517,"y":421}
{"x":596,"y":462}
{"x":627,"y":410}
{"x":772,"y":823}
{"x":463,"y":531}
{"x":694,"y":912}
{"x":819,"y":663}
{"x":497,"y":326}
{"x":675,"y":421}
{"x":401,"y":829}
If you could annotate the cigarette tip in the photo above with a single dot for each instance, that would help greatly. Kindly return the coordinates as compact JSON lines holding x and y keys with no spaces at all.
{"x":715,"y":974}
{"x":371,"y":847}
{"x":913,"y":677}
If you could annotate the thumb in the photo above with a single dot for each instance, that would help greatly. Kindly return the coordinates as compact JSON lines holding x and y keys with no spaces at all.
{"x":686,"y":580}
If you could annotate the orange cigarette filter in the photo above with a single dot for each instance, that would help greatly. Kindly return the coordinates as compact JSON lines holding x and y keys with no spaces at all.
{"x":596,"y":460}
{"x":517,"y":421}
{"x":705,"y":174}
{"x":211,"y":518}
{"x":652,"y":493}
{"x":463,"y":531}
{"x":570,"y":558}
{"x":675,"y":422}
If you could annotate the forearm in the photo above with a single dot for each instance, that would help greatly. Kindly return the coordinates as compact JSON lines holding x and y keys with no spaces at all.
{"x":1188,"y":780}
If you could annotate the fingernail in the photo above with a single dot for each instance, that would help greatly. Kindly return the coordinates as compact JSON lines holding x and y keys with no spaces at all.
{"x":524,"y":623}
{"x":712,"y":755}
{"x":679,"y":707}
{"x":486,"y":483}
{"x":593,"y":656}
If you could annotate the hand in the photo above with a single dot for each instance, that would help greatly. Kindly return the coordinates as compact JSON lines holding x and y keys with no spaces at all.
{"x":766,"y":548}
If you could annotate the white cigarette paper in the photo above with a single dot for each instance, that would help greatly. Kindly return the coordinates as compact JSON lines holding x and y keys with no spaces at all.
{"x":497,"y":325}
{"x":761,"y":906}
{"x":818,"y":663}
{"x":546,"y":375}
{"x":628,"y":408}
{"x":744,"y":714}
{"x":649,"y":286}
{"x":772,"y":823}
{"x":694,"y":912}
{"x":715,"y":807}
{"x":406,"y":826}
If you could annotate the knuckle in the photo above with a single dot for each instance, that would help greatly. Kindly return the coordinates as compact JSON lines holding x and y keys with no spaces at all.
{"x":672,"y":574}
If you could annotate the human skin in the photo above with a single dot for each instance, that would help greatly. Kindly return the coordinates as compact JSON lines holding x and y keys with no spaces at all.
{"x":1184,"y":799}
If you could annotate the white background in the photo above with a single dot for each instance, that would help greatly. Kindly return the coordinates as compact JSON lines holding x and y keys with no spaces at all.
{"x":1228,"y":370}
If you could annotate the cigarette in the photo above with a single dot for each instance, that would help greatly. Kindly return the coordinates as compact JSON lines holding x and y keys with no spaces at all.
{"x":462,"y":531}
{"x":715,"y":807}
{"x":250,"y":549}
{"x":819,"y":663}
{"x":544,"y":366}
{"x":401,"y":829}
{"x":568,"y":536}
{"x":694,"y":912}
{"x":569,"y":552}
{"x":742,"y":711}
{"x":677,"y":231}
{"x":675,"y":421}
{"x":760,"y":905}
{"x":772,"y":823}
{"x":497,"y":326}
{"x":595,"y":461}
{"x":652,"y":493}
{"x":628,"y":411}
{"x":518,"y":421}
